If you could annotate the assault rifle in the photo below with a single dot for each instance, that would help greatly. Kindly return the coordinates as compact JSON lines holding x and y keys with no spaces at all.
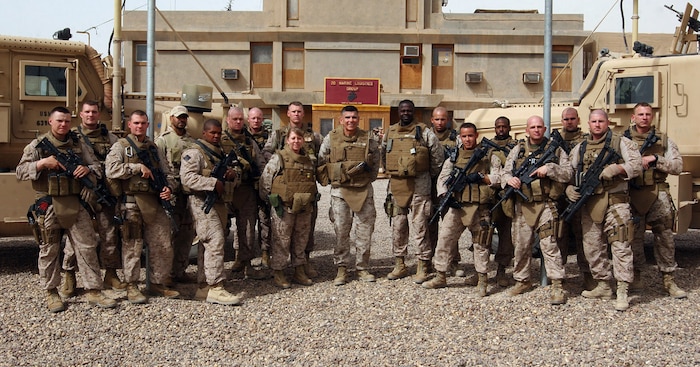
{"x":218,"y":172}
{"x":70,"y":161}
{"x":590,"y":181}
{"x":530,"y":165}
{"x":157,"y":183}
{"x":505,"y":149}
{"x":651,"y":139}
{"x":457,"y":181}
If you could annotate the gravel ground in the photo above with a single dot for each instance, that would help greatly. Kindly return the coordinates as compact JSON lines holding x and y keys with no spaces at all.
{"x":387,"y":323}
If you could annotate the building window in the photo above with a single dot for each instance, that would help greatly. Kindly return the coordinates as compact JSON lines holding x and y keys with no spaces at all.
{"x":141,"y":52}
{"x":326,"y":126}
{"x":560,"y":70}
{"x":293,"y":65}
{"x":292,"y":9}
{"x":261,"y":61}
{"x":411,"y":71}
{"x":443,"y":75}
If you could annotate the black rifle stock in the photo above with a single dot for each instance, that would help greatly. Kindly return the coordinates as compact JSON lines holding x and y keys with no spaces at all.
{"x":70,"y":161}
{"x":524,"y":172}
{"x":158,"y":183}
{"x":219,"y":172}
{"x":588,"y":184}
{"x":457,"y":180}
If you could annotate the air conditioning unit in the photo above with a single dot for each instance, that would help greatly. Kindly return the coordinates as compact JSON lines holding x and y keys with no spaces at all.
{"x":413,"y":51}
{"x":229,"y":74}
{"x":474,"y":77}
{"x":532,"y":78}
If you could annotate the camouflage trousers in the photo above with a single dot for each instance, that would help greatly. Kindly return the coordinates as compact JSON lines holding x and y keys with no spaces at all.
{"x":157,"y":234}
{"x":182,"y":240}
{"x":595,"y":243}
{"x":421,"y":210}
{"x":660,"y":219}
{"x":245,"y":212}
{"x":82,"y":235}
{"x":451,"y":230}
{"x":433,"y":230}
{"x":211,"y":236}
{"x":263,"y":225}
{"x":572,"y":232}
{"x":504,"y":224}
{"x":108,"y":248}
{"x":342,"y":217}
{"x":290,"y":234}
{"x":524,"y":238}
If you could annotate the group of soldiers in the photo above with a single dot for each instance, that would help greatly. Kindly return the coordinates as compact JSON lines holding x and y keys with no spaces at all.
{"x":176,"y":190}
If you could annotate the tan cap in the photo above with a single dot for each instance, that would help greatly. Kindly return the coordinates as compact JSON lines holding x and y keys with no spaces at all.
{"x":178,"y":111}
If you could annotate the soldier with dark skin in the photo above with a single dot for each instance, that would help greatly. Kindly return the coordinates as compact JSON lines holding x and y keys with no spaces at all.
{"x":145,"y":220}
{"x":606,"y":219}
{"x":58,"y":209}
{"x":258,"y":132}
{"x":413,"y":158}
{"x":651,"y":199}
{"x":96,"y":135}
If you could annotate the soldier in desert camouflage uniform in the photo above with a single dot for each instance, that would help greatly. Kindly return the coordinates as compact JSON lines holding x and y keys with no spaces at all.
{"x":259,"y":133}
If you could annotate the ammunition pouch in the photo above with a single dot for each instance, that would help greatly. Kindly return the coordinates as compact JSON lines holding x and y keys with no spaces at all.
{"x":302,"y":201}
{"x":322,"y":175}
{"x":482,"y":237}
{"x":63,"y":185}
{"x":229,"y":190}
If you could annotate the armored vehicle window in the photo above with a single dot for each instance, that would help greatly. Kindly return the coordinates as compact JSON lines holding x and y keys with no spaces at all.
{"x":632,"y":90}
{"x":44,"y":81}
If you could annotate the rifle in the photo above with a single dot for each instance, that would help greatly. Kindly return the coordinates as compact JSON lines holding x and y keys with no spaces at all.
{"x":70,"y":161}
{"x":693,"y":23}
{"x":590,"y":181}
{"x":505,"y":149}
{"x":159,"y":181}
{"x":254,"y":169}
{"x":529,"y":166}
{"x":457,"y":181}
{"x":651,"y":139}
{"x":218,"y":172}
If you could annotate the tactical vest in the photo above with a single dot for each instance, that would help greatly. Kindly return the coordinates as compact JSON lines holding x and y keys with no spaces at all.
{"x":448,"y":140}
{"x":473,"y":192}
{"x":543,"y":188}
{"x":210,"y":161}
{"x":592,"y":149}
{"x":407,"y":153}
{"x":348,"y":154}
{"x":650,"y":176}
{"x":296,"y":184}
{"x":572,"y":138}
{"x":176,"y":145}
{"x":97,"y":139}
{"x":240,"y":142}
{"x":508,"y":142}
{"x":259,"y":137}
{"x":137,"y":184}
{"x":310,"y":144}
{"x":56,"y":183}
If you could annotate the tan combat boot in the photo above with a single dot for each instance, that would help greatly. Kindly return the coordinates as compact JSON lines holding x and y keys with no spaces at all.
{"x":54,"y":302}
{"x":481,"y":284}
{"x":621,"y":303}
{"x":253,"y":273}
{"x":400,"y":270}
{"x":219,"y":295}
{"x":472,"y":280}
{"x":112,"y":280}
{"x":671,"y":287}
{"x":501,"y":278}
{"x":95,"y":297}
{"x":265,"y":258}
{"x":68,"y":286}
{"x":421,"y":271}
{"x":557,"y":296}
{"x":202,"y":292}
{"x":342,"y":277}
{"x":602,"y":290}
{"x":365,"y":276}
{"x":280,"y":280}
{"x":238,"y":265}
{"x":520,"y":287}
{"x":300,"y":277}
{"x":588,"y":282}
{"x":308,"y":267}
{"x":440,"y":281}
{"x":160,"y":290}
{"x":134,"y":295}
{"x":636,"y":284}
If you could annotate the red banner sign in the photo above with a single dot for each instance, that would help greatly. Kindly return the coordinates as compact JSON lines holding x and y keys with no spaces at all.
{"x":354,"y":91}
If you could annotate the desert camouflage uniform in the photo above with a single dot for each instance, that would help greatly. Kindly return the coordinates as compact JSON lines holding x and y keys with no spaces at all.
{"x":79,"y":229}
{"x":100,"y":140}
{"x":263,"y":208}
{"x":148,"y":224}
{"x":343,"y":194}
{"x":503,"y":223}
{"x":448,"y":140}
{"x":572,"y":230}
{"x":245,"y":207}
{"x":457,"y":220}
{"x":614,"y":227}
{"x":290,"y":231}
{"x":172,"y":146}
{"x":419,"y":201}
{"x":195,"y":168}
{"x":660,"y":213}
{"x":539,"y":214}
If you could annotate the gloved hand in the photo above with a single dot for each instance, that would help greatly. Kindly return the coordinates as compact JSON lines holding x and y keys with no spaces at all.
{"x":609,"y":172}
{"x":572,"y":194}
{"x":90,"y":198}
{"x":475,"y":177}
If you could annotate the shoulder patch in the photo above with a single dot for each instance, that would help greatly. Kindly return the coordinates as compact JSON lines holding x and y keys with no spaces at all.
{"x":186,"y":157}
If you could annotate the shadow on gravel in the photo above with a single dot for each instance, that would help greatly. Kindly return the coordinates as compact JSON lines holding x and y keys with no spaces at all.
{"x":19,"y":257}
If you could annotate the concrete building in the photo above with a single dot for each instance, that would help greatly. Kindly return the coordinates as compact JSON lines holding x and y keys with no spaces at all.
{"x":399,"y":49}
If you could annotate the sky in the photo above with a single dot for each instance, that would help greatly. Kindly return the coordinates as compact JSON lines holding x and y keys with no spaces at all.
{"x":41,"y":18}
